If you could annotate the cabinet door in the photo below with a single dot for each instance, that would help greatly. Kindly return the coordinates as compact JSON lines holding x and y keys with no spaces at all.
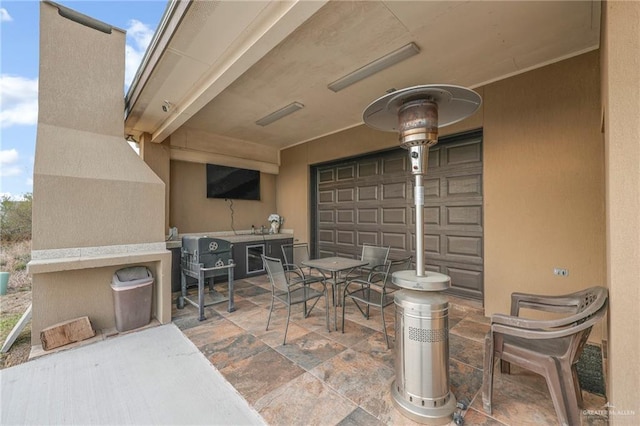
{"x":239,"y":257}
{"x":274,"y":247}
{"x":254,"y":252}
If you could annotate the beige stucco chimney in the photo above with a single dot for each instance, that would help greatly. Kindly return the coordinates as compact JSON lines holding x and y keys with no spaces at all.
{"x":90,"y":187}
{"x":97,"y":206}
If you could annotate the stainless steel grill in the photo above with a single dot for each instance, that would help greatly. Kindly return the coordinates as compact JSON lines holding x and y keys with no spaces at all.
{"x":203,"y":259}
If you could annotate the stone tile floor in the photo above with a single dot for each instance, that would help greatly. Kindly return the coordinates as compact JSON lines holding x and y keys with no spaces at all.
{"x":335,"y":378}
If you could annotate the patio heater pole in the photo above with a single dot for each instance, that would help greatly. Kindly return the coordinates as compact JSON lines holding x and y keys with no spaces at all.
{"x":421,"y":387}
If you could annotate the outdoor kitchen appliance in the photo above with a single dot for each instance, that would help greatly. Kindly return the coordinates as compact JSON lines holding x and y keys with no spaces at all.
{"x":204,"y":258}
{"x":421,"y":387}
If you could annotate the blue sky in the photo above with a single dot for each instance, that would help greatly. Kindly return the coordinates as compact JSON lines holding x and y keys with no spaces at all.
{"x":19,"y":38}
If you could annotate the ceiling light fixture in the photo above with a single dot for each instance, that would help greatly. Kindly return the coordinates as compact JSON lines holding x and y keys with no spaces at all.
{"x":277,"y":115}
{"x":378,"y":65}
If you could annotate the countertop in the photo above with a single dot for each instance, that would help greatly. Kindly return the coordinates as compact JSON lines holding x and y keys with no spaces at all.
{"x":233,"y":237}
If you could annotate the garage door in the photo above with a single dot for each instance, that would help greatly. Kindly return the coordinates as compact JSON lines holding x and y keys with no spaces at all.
{"x":369,"y":199}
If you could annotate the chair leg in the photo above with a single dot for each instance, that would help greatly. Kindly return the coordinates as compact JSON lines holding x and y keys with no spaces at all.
{"x":270,"y":310}
{"x":553,"y":375}
{"x":487,"y":379}
{"x":384,"y":325}
{"x":576,"y":386}
{"x":286,"y":328}
{"x":326,"y":309}
{"x":344,"y":302}
{"x":571,"y":391}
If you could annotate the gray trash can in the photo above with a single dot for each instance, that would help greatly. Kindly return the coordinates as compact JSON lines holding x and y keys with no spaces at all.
{"x":132,"y":291}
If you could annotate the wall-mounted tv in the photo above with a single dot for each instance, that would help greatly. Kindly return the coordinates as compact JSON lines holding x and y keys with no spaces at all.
{"x":232,"y":182}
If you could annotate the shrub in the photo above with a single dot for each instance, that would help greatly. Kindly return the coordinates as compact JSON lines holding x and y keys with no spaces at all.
{"x":15,"y":218}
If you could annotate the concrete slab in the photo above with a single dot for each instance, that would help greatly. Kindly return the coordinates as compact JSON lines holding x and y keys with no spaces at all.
{"x":155,"y":376}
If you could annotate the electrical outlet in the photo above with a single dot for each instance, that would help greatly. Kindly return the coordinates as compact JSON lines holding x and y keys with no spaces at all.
{"x":561,"y":272}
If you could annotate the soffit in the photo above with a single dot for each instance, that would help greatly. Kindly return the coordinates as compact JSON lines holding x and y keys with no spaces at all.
{"x":274,"y":57}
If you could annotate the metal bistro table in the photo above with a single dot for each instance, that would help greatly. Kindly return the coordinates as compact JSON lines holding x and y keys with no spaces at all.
{"x":334,"y":265}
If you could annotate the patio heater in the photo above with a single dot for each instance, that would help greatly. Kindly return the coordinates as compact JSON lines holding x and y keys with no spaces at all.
{"x":421,"y":387}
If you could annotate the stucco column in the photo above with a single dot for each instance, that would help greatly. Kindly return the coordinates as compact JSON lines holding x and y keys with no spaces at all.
{"x":158,"y":158}
{"x":621,"y":99}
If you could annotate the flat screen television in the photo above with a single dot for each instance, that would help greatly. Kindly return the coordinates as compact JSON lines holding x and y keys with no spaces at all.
{"x":232,"y":182}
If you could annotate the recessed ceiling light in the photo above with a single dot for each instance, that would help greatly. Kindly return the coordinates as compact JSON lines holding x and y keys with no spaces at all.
{"x":376,"y":66}
{"x":282,"y":112}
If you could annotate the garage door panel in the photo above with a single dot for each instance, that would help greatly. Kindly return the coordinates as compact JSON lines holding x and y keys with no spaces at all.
{"x":464,"y":185}
{"x":326,"y":253}
{"x":433,"y":162}
{"x":368,"y":169}
{"x":395,"y":240}
{"x":395,"y":164}
{"x":326,"y":236}
{"x":468,"y":281}
{"x":365,"y":237}
{"x":346,"y":237}
{"x":394,"y":191}
{"x":368,"y":216}
{"x":326,"y":176}
{"x":368,"y":193}
{"x":346,"y":172}
{"x":431,"y":188}
{"x":370,"y":201}
{"x":470,"y":152}
{"x":464,"y":215}
{"x":345,"y":217}
{"x":346,"y":195}
{"x":467,"y":247}
{"x":326,"y":217}
{"x":394,"y":216}
{"x":431,"y":244}
{"x":325,"y":197}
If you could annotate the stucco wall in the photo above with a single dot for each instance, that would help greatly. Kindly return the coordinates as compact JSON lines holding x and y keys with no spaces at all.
{"x":192,"y":211}
{"x":156,"y":156}
{"x":621,"y":101}
{"x":543,"y":182}
{"x":543,"y":179}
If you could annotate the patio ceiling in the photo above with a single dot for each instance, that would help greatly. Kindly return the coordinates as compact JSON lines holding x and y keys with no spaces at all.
{"x":228,"y":64}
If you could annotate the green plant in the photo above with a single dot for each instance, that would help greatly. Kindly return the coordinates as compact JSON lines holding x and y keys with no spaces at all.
{"x":15,"y":218}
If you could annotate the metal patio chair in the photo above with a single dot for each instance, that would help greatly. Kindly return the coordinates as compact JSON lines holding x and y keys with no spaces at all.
{"x":376,"y":290}
{"x":550,"y":348}
{"x":290,"y":293}
{"x":294,"y":255}
{"x":374,"y":256}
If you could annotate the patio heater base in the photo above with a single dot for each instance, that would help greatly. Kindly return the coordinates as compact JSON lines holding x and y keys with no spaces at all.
{"x":431,"y":416}
{"x":421,"y":388}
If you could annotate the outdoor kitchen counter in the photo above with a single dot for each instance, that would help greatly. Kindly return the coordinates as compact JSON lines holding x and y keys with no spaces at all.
{"x":239,"y":237}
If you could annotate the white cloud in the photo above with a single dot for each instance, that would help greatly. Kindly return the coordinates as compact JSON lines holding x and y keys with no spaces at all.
{"x":18,"y":100}
{"x":139,"y":36}
{"x":29,"y":181}
{"x":8,"y":156}
{"x":10,"y":171}
{"x":4,"y":15}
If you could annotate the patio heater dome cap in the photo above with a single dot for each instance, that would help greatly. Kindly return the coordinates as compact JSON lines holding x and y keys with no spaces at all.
{"x":455,"y":103}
